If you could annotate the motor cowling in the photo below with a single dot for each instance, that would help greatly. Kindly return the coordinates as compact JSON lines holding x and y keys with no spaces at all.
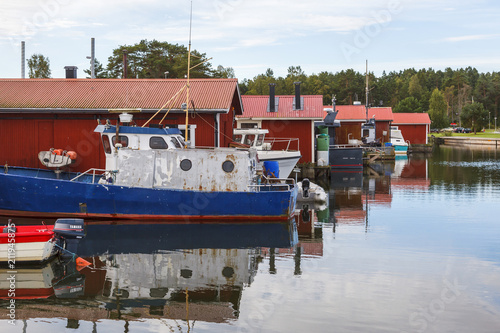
{"x":70,"y":228}
{"x":69,"y":232}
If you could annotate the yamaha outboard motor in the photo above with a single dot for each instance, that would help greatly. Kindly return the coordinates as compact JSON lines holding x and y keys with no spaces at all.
{"x":69,"y":231}
{"x":306,"y":184}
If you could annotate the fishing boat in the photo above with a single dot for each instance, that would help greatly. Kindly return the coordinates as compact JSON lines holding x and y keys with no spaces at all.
{"x":398,"y":142}
{"x":38,"y":243}
{"x":151,"y":174}
{"x":266,"y":151}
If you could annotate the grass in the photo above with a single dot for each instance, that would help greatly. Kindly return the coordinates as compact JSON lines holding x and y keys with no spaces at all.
{"x":485,"y":134}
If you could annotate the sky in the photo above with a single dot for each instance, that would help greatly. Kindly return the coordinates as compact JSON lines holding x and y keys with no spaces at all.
{"x":252,"y":36}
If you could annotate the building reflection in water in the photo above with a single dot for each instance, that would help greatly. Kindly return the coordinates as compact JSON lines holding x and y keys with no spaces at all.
{"x":353,"y":193}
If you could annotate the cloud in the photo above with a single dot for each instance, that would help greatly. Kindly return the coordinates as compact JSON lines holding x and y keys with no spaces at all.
{"x":471,"y":37}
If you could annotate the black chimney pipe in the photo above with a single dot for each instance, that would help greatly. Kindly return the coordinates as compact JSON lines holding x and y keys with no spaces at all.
{"x":297,"y":96}
{"x":70,"y":72}
{"x":272,"y":104}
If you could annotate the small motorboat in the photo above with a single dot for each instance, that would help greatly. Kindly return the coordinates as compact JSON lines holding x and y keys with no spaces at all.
{"x":38,"y":243}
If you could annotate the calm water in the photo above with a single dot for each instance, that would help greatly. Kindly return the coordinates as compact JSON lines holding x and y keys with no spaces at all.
{"x":410,"y":246}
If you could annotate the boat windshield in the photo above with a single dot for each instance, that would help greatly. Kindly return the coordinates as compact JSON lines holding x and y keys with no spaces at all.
{"x":106,"y":145}
{"x":237,"y":138}
{"x":249,"y":139}
{"x":260,"y":140}
{"x":122,"y":139}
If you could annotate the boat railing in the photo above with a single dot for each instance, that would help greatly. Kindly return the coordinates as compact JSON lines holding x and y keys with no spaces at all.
{"x":274,"y":183}
{"x":282,"y":142}
{"x":94,"y":172}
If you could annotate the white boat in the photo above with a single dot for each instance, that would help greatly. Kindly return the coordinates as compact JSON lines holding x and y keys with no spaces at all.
{"x":398,"y":142}
{"x":256,"y":138}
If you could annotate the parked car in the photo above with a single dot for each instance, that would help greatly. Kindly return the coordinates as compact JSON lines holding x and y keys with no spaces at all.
{"x":458,"y":130}
{"x":467,"y":130}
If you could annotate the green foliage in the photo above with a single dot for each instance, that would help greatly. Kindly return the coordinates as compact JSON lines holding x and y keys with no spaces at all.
{"x":152,"y":59}
{"x":398,"y":90}
{"x":99,"y":71}
{"x":437,"y":109}
{"x":39,"y":67}
{"x":407,"y":105}
{"x":475,"y":116}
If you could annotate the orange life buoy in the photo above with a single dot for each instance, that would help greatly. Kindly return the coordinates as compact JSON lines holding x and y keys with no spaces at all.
{"x":57,"y":151}
{"x":71,"y":154}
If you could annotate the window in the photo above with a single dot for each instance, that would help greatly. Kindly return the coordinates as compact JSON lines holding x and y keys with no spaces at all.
{"x":249,"y":139}
{"x":260,"y":139}
{"x":182,"y":142}
{"x":228,"y":166}
{"x":175,"y":142}
{"x":106,"y":145}
{"x":249,"y":125}
{"x":186,"y":164}
{"x":157,"y":142}
{"x":122,"y":139}
{"x":237,"y":138}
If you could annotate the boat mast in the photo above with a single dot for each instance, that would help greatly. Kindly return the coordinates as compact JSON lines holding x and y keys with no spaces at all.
{"x":367,"y":91}
{"x":188,"y":69}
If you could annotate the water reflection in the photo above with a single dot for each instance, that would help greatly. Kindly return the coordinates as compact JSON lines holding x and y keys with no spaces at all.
{"x":409,"y":245}
{"x":175,"y":271}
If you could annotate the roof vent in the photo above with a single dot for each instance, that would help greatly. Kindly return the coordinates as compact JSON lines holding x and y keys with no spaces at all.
{"x":272,"y":105}
{"x":70,"y":72}
{"x":298,"y":100}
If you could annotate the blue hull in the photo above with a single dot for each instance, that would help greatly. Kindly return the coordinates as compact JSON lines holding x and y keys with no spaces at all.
{"x":35,"y":192}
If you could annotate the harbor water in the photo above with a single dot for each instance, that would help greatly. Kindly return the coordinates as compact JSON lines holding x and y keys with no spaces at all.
{"x":411,"y":245}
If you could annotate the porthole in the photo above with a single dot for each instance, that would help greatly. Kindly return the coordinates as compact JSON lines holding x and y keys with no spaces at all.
{"x":228,"y":166}
{"x":186,"y":164}
{"x":228,"y":272}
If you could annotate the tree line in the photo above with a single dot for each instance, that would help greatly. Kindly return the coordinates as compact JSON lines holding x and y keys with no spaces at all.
{"x":463,"y":96}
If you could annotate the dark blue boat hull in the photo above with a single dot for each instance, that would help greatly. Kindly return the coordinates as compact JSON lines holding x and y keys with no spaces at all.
{"x":34,"y":192}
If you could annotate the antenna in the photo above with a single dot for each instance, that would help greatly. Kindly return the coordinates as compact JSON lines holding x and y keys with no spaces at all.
{"x":189,"y":65}
{"x":367,"y":91}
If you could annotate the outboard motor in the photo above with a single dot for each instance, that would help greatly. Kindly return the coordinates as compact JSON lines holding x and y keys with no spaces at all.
{"x":306,"y":184}
{"x":69,"y":231}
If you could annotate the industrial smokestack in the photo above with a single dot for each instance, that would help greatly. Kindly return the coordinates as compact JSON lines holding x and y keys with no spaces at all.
{"x":92,"y":58}
{"x":272,"y":102}
{"x":23,"y":60}
{"x":298,"y":105}
{"x":124,"y":64}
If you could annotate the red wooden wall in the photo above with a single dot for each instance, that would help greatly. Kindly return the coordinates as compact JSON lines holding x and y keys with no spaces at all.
{"x":300,"y":129}
{"x":416,"y":134}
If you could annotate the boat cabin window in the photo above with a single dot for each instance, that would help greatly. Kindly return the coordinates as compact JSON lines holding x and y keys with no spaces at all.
{"x":106,"y":145}
{"x":260,"y":140}
{"x":249,"y":125}
{"x":366,"y":133}
{"x":122,"y":139}
{"x":175,"y":142}
{"x":237,"y":138}
{"x":181,"y":141}
{"x":249,"y":139}
{"x":157,"y":142}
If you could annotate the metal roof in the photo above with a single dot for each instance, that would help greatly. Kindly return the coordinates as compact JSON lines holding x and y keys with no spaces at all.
{"x":255,"y":106}
{"x":358,"y":113}
{"x":103,"y":94}
{"x":411,"y":119}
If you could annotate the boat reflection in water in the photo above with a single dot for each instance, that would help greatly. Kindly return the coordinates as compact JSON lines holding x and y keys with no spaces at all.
{"x":174,"y":271}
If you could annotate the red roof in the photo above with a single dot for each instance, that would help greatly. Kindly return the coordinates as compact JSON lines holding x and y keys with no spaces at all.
{"x":255,"y":106}
{"x":206,"y":94}
{"x":358,"y":113}
{"x":411,"y":118}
